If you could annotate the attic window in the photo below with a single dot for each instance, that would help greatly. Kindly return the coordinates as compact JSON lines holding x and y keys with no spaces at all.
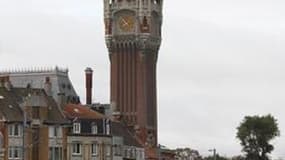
{"x":76,"y":128}
{"x":94,"y":128}
{"x":1,"y":97}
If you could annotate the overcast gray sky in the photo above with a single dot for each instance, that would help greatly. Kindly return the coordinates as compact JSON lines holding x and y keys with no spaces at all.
{"x":220,"y":60}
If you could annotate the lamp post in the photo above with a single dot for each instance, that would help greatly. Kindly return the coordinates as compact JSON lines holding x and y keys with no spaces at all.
{"x":214,"y":153}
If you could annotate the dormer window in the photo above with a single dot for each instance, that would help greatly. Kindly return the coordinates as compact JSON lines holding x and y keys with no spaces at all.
{"x":15,"y":130}
{"x":94,"y":128}
{"x":107,"y":127}
{"x":76,"y":128}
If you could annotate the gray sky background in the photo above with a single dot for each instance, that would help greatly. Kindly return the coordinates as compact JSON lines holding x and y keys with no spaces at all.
{"x":220,"y":60}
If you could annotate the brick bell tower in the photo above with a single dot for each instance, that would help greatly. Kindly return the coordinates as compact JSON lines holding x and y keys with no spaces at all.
{"x":133,"y":37}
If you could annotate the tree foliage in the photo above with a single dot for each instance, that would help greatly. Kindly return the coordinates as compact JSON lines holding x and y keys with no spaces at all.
{"x":255,"y":133}
{"x":187,"y":154}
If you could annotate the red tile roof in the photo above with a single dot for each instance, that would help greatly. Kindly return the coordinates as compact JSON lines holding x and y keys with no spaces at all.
{"x":151,"y":153}
{"x":81,"y":112}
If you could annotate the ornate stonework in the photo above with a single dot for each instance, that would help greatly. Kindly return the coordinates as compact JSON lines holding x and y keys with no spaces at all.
{"x":133,"y":38}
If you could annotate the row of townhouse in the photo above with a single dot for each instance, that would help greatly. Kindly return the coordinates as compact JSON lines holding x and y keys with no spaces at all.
{"x":36,"y":124}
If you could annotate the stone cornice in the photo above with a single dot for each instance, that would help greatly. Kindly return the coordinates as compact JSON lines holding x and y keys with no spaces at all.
{"x":141,"y":42}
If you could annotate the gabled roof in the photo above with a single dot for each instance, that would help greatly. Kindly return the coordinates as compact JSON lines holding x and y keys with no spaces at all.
{"x":81,"y":112}
{"x":59,"y":78}
{"x":120,"y":130}
{"x":55,"y":114}
{"x":10,"y":105}
{"x":12,"y":101}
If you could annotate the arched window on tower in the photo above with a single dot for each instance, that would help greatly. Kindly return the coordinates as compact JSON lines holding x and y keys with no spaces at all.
{"x":145,"y":25}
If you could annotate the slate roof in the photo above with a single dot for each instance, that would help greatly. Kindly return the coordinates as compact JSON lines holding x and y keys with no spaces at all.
{"x":59,"y":79}
{"x":81,"y":112}
{"x":55,"y":114}
{"x":12,"y":101}
{"x":9,"y":105}
{"x":119,"y":129}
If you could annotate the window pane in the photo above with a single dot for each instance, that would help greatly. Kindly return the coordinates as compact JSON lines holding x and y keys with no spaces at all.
{"x":59,"y":132}
{"x":20,"y":150}
{"x":94,"y":149}
{"x":51,"y":128}
{"x":108,"y":150}
{"x":55,"y":131}
{"x":56,"y":153}
{"x":60,"y":154}
{"x":16,"y":153}
{"x":50,"y":154}
{"x":10,"y":152}
{"x":16,"y":129}
{"x":76,"y":128}
{"x":108,"y":129}
{"x":94,"y":129}
{"x":76,"y":149}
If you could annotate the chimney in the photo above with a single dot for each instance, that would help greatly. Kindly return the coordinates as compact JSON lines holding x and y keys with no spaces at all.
{"x":47,"y":86}
{"x":89,"y":75}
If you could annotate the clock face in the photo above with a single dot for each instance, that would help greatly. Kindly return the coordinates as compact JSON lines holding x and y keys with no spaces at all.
{"x":126,"y":23}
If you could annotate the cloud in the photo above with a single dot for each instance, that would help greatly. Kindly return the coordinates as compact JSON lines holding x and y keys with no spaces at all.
{"x":219,"y":61}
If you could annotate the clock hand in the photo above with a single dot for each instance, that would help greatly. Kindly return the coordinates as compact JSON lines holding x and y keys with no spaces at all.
{"x":125,"y":22}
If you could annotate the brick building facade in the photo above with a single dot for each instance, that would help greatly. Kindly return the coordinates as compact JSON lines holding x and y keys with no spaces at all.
{"x":58,"y":130}
{"x":133,"y":38}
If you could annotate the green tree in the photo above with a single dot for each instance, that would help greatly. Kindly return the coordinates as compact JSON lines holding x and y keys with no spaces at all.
{"x":255,"y":133}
